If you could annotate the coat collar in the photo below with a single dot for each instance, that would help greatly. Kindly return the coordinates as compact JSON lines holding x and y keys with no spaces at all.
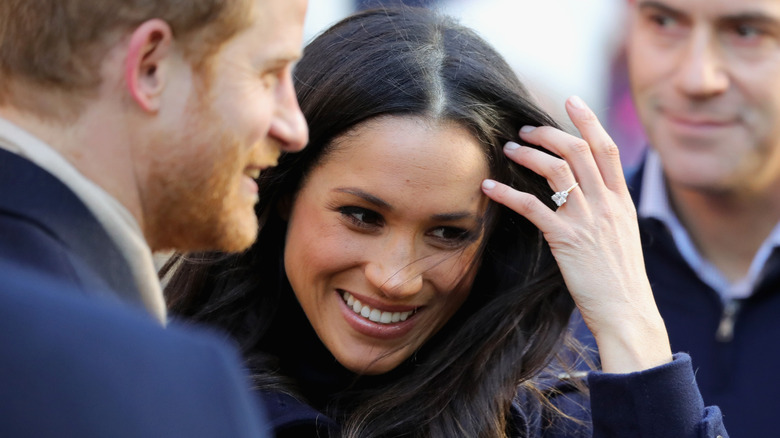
{"x":37,"y":196}
{"x":287,"y":414}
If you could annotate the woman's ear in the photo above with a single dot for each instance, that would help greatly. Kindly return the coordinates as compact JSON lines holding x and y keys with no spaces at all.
{"x":147,"y":64}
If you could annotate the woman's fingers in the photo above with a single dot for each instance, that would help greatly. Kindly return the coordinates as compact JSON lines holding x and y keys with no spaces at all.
{"x":605,"y":151}
{"x":574,"y":151}
{"x":594,"y":236}
{"x":525,"y":204}
{"x":557,"y":171}
{"x":594,"y":159}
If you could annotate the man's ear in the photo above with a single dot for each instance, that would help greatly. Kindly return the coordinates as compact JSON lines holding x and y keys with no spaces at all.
{"x":147,"y":66}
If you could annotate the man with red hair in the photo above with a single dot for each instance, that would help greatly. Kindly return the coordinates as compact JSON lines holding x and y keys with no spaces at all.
{"x":128,"y":127}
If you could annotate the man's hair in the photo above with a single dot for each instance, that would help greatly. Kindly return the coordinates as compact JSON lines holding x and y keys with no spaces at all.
{"x":59,"y":44}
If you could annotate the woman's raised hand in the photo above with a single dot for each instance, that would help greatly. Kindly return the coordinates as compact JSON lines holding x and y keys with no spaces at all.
{"x":594,"y":237}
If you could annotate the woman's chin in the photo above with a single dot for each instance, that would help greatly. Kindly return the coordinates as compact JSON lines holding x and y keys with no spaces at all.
{"x":372,"y":366}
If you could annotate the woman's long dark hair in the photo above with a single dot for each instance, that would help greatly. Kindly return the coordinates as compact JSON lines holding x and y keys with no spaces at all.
{"x":403,"y":62}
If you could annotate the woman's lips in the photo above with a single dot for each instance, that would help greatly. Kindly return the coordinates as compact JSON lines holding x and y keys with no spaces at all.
{"x":374,"y":314}
{"x":377,"y":321}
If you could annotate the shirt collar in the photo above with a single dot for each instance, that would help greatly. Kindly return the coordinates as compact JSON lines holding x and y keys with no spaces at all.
{"x":654,"y":203}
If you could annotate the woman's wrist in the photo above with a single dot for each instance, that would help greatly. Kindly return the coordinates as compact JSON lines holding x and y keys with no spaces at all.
{"x":639,"y":343}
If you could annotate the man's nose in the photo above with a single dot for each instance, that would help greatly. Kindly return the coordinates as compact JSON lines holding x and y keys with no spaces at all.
{"x":702,"y":71}
{"x":288,"y":125}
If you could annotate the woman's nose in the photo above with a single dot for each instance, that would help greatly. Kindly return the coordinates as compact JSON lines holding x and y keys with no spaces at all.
{"x":397,"y":276}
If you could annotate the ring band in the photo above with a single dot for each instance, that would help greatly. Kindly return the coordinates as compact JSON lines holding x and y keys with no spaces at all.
{"x":560,"y":197}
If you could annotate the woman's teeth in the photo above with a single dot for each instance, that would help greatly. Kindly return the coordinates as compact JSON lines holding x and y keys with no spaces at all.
{"x":374,"y":314}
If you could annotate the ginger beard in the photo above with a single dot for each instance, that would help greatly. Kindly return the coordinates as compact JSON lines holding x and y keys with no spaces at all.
{"x":197,"y":192}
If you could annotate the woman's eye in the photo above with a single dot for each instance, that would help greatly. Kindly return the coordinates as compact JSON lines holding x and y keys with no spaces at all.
{"x":451,"y":234}
{"x":361,"y":217}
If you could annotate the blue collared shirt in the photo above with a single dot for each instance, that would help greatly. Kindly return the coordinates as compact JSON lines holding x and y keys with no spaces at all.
{"x":654,"y":203}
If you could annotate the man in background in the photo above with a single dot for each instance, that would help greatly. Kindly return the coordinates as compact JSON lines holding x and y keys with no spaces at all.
{"x":705,"y":78}
{"x":128,"y":127}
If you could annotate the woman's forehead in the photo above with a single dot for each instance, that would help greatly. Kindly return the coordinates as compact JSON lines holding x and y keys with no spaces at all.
{"x":401,"y":158}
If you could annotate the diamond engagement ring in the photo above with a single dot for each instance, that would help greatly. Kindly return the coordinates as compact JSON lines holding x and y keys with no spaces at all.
{"x":560,"y":197}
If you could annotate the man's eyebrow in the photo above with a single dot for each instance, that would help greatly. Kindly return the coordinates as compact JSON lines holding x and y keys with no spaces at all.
{"x":755,"y":17}
{"x":365,"y":196}
{"x":651,"y":4}
{"x":747,"y":16}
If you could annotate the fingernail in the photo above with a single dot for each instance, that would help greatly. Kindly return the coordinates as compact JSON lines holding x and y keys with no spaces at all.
{"x":510,"y":146}
{"x":488,"y":184}
{"x":526,"y":129}
{"x":577,"y":102}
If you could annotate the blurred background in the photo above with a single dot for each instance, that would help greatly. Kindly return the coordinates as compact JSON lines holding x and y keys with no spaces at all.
{"x":558,"y":48}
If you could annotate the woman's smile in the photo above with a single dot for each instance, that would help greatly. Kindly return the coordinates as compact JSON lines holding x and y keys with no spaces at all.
{"x":375,"y":314}
{"x":383,"y":237}
{"x":368,"y":320}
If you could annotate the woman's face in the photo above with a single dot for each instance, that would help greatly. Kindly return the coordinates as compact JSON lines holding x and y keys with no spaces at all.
{"x":382,"y":238}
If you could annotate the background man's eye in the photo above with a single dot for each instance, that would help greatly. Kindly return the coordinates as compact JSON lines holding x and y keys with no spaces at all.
{"x":663,"y":20}
{"x":747,"y":31}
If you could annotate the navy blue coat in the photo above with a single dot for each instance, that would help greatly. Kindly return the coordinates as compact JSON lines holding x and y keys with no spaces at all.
{"x":735,"y":370}
{"x":45,"y":226}
{"x":660,"y":402}
{"x":76,"y":365}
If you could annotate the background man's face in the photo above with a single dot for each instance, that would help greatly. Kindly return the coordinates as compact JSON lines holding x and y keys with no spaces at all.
{"x":706,"y":81}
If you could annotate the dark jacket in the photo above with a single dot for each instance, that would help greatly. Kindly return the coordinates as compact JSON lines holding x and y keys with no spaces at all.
{"x":45,"y":226}
{"x":77,"y":363}
{"x":660,"y":402}
{"x":733,"y":345}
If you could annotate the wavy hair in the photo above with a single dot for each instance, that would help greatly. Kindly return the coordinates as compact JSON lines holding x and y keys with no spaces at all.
{"x":403,"y":62}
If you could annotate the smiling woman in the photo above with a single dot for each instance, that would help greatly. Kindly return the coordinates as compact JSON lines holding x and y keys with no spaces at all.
{"x":388,"y":295}
{"x":386,"y":227}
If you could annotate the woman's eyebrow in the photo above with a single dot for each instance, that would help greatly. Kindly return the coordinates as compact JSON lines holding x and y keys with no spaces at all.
{"x":455,"y":216}
{"x":379,"y":202}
